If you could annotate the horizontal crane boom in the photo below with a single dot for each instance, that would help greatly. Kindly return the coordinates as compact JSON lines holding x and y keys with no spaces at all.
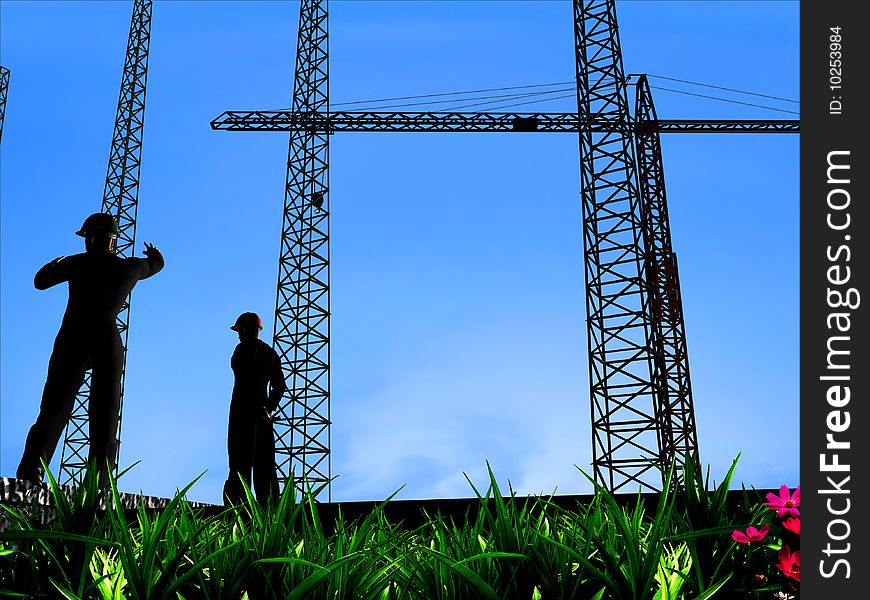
{"x":285,"y":120}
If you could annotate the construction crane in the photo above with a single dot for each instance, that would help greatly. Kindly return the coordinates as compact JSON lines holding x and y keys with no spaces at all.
{"x":120,"y":198}
{"x":641,"y":401}
{"x":4,"y":91}
{"x":675,"y":417}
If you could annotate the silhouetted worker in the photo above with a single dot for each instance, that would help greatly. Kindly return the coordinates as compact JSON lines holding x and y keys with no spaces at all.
{"x":259,"y":385}
{"x":99,"y":282}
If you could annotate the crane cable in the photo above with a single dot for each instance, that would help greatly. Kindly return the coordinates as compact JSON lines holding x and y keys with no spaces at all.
{"x":498,"y":89}
{"x":793,"y":112}
{"x":718,"y":87}
{"x":499,"y":99}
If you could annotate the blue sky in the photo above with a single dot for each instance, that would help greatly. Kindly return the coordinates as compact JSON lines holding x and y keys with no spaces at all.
{"x":458,"y":329}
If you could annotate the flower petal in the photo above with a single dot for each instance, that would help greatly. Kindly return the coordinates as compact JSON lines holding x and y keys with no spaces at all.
{"x":739,"y":537}
{"x":793,"y":524}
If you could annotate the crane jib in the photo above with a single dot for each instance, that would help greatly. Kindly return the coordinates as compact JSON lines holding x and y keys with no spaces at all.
{"x":480,"y":122}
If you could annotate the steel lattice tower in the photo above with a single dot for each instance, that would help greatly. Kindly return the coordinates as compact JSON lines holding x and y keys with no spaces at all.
{"x":4,"y":91}
{"x":301,"y":333}
{"x":677,"y":433}
{"x":120,"y":198}
{"x":623,"y":391}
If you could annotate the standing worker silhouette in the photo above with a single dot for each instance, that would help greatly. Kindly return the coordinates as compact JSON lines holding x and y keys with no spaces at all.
{"x":250,"y":437}
{"x":99,"y":281}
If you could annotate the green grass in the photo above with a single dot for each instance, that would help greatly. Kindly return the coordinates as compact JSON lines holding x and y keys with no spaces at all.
{"x":522,"y":548}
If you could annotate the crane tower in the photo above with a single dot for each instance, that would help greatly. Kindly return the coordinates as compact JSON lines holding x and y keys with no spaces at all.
{"x":4,"y":91}
{"x":301,"y":334}
{"x":120,"y":198}
{"x":619,"y":325}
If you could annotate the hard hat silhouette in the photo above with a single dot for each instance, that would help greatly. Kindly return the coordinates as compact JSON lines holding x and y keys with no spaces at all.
{"x":248,"y":320}
{"x":100,"y":223}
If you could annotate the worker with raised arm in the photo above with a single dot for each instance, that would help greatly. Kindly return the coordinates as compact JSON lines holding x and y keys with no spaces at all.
{"x":257,"y":390}
{"x":99,"y":282}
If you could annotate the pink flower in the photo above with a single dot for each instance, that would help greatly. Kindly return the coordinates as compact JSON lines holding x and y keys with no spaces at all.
{"x":790,"y":563}
{"x":793,"y":524}
{"x":752,"y":534}
{"x":785,"y":503}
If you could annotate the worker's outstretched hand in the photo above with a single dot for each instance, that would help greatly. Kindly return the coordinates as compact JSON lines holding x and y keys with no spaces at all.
{"x":267,"y":415}
{"x":150,"y":250}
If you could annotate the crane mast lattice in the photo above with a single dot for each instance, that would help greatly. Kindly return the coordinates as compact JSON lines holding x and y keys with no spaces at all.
{"x":301,"y":334}
{"x":618,"y":315}
{"x":4,"y":91}
{"x":677,"y":433}
{"x":121,"y":199}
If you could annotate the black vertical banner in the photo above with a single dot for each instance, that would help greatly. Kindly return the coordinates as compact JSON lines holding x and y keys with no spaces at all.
{"x":835,"y":299}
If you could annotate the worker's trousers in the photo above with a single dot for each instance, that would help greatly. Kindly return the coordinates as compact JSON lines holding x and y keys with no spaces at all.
{"x":71,"y":357}
{"x":251,"y":447}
